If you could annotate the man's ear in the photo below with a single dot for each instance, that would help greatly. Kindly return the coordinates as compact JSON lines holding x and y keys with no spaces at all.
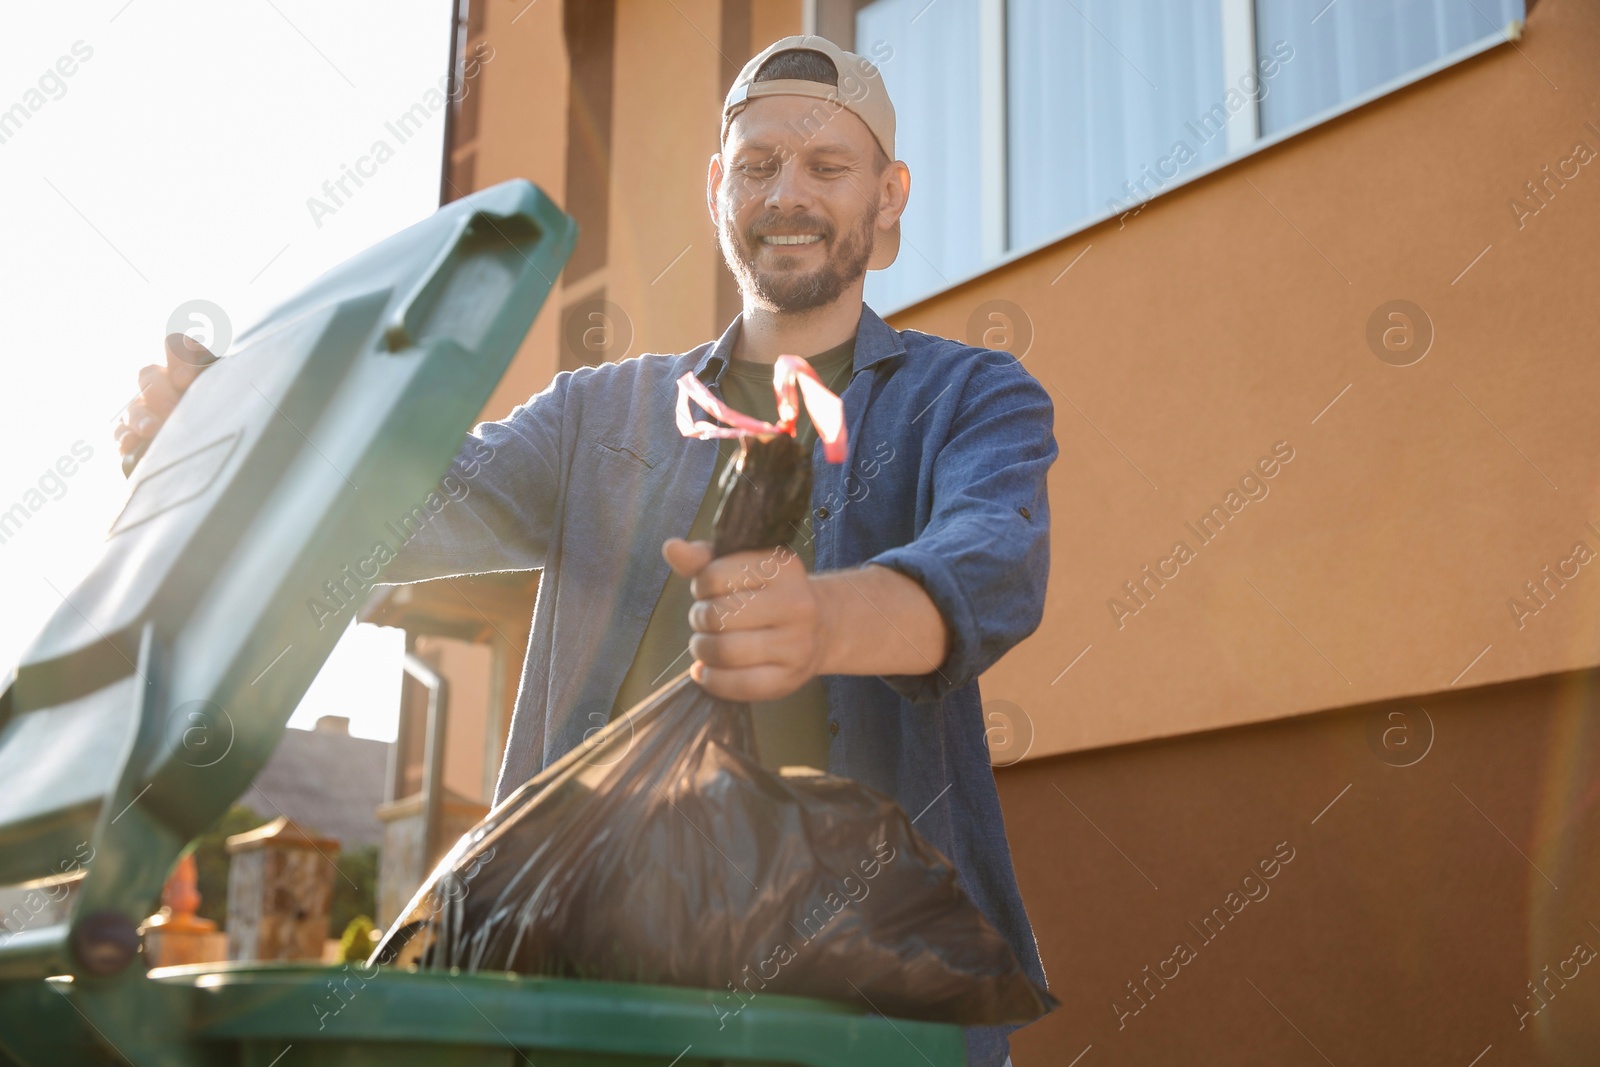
{"x":713,"y":187}
{"x":894,"y":195}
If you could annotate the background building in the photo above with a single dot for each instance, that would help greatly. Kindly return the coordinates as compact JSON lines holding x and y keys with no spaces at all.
{"x":326,"y":781}
{"x":1314,"y":294}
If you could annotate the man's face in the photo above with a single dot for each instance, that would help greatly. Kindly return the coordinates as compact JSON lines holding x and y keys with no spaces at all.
{"x":796,"y":200}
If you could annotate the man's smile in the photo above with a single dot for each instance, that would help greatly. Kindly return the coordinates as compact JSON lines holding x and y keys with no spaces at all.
{"x":790,"y":239}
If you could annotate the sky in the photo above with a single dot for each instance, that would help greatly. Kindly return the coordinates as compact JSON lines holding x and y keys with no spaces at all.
{"x":167,"y":155}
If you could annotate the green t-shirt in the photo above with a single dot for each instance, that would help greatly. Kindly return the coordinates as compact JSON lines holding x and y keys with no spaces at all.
{"x":792,"y":731}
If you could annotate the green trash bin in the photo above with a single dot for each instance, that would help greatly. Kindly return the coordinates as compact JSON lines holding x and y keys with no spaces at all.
{"x":160,"y":688}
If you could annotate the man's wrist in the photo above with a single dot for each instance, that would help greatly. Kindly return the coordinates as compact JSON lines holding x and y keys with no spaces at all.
{"x":875,"y":620}
{"x":829,"y":626}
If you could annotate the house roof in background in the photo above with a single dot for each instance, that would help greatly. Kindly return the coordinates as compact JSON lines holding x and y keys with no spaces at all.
{"x":325,"y":781}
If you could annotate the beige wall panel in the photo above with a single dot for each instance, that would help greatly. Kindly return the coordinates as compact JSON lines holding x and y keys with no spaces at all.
{"x":523,"y":134}
{"x":664,"y":133}
{"x":465,"y":667}
{"x":771,"y":20}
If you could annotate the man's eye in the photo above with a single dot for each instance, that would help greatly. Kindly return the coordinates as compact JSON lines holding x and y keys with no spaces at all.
{"x":765,"y":169}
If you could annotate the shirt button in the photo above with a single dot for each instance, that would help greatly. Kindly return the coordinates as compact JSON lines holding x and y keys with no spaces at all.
{"x":822,"y":513}
{"x":833,"y":728}
{"x":1025,"y":513}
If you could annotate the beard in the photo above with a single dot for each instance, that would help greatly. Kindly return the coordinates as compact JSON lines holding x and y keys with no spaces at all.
{"x":783,"y":287}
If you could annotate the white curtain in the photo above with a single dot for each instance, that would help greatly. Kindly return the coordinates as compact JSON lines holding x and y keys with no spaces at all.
{"x":932,"y":77}
{"x":1098,"y":94}
{"x":1356,"y":45}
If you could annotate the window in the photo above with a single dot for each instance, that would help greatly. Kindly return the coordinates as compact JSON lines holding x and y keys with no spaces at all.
{"x":932,"y":63}
{"x":1022,"y":120}
{"x":1089,"y":123}
{"x":1358,"y":45}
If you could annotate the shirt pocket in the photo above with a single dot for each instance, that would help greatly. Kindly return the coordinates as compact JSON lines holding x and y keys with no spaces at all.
{"x":632,"y":452}
{"x":613,"y":503}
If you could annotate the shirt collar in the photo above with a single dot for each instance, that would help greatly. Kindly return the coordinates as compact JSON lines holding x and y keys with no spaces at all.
{"x":876,"y":341}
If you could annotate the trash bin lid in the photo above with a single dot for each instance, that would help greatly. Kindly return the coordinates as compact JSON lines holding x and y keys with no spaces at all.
{"x":154,"y":695}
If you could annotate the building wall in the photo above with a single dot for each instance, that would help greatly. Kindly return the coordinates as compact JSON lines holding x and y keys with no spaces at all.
{"x":521,"y":132}
{"x":1427,"y":839}
{"x":663,"y":258}
{"x":468,"y":667}
{"x":326,"y":781}
{"x":1226,"y":317}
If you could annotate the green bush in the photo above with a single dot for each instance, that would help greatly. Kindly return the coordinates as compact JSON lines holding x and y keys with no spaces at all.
{"x":355,"y":887}
{"x":358,"y":940}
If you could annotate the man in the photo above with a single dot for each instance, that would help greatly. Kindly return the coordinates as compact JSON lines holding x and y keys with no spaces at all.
{"x":925,"y":555}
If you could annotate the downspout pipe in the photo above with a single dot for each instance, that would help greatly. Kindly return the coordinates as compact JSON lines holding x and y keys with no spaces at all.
{"x":432,"y":754}
{"x":458,"y":48}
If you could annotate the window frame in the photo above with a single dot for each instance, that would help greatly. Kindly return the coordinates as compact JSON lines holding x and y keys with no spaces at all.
{"x":1239,"y":57}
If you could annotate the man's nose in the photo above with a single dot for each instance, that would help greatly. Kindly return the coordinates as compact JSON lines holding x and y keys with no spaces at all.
{"x":790,"y":189}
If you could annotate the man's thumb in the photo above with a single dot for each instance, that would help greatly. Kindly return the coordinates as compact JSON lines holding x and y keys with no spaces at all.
{"x":186,"y":358}
{"x":687,"y":558}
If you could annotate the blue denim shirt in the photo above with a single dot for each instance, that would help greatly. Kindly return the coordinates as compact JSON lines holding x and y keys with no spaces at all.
{"x":945,"y":482}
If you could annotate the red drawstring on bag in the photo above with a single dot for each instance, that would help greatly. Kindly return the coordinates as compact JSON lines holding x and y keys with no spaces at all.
{"x":793,"y":381}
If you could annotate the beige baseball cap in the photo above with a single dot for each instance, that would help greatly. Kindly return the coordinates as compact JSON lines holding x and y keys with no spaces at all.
{"x":860,"y":90}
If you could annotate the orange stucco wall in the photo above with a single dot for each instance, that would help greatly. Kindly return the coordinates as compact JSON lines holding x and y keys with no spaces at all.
{"x":662,"y":254}
{"x":522,"y":130}
{"x":1441,"y":857}
{"x":1226,"y":317}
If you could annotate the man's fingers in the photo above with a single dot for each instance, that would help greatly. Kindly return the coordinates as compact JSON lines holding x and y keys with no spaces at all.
{"x":160,"y":389}
{"x":186,"y":358}
{"x":719,"y":580}
{"x":742,"y":572}
{"x":156,"y":391}
{"x":126,"y":439}
{"x":715,"y":616}
{"x":743,"y":649}
{"x":686,"y":558}
{"x":145,"y":423}
{"x":753,"y":610}
{"x":751,"y":683}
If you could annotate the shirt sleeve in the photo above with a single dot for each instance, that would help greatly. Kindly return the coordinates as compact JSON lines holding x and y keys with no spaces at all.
{"x":495,"y":507}
{"x":984,"y":555}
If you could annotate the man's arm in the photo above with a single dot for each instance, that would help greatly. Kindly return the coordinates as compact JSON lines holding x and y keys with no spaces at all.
{"x":928,"y":616}
{"x":494,"y":508}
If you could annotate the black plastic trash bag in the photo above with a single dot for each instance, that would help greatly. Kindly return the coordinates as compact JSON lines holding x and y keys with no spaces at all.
{"x":663,"y":852}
